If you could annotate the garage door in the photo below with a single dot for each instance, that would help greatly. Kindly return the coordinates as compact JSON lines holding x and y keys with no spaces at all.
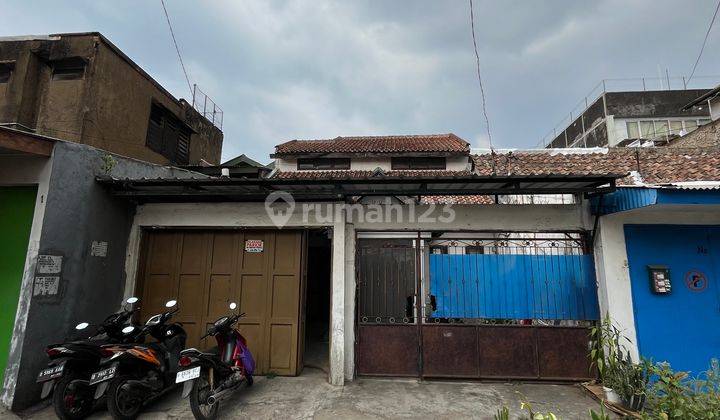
{"x":206,"y":270}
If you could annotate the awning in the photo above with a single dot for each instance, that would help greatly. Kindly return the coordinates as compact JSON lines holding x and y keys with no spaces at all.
{"x":318,"y":189}
{"x":629,"y":198}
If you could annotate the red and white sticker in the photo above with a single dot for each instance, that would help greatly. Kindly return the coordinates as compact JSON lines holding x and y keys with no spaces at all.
{"x":254,"y":245}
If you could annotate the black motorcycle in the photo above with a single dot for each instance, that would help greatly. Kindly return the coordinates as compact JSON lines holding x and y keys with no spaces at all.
{"x":211,"y":377}
{"x":137,"y":374}
{"x":72,"y":363}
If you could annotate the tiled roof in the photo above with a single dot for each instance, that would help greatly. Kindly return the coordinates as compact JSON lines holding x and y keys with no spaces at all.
{"x":442,"y":143}
{"x":651,"y":165}
{"x":340,"y":175}
{"x":457,"y":199}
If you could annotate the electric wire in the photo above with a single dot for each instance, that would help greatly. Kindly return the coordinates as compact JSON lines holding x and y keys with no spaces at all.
{"x":172,"y":34}
{"x":477,"y":62}
{"x":707,"y":34}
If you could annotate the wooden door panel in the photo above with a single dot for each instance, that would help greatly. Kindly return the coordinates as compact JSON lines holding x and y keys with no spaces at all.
{"x":205,"y":271}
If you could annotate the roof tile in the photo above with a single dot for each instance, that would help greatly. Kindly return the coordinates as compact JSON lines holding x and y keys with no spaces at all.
{"x":449,"y":143}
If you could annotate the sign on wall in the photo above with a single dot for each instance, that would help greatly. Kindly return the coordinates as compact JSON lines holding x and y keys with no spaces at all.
{"x":254,"y":245}
{"x":47,"y":275}
{"x":99,"y":249}
{"x":696,"y":280}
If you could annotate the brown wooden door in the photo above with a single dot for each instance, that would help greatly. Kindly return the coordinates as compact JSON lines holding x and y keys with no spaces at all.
{"x":206,"y":270}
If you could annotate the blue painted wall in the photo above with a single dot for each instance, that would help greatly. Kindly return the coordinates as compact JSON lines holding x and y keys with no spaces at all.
{"x":682,"y":328}
{"x":514,"y":286}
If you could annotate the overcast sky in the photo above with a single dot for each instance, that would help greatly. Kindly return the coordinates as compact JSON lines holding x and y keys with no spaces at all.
{"x":319,"y":69}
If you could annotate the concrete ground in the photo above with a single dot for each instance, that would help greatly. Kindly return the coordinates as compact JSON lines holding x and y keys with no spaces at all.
{"x":310,"y":396}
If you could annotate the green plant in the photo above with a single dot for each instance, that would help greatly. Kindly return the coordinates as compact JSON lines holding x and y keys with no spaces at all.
{"x":525,"y":405}
{"x":606,"y":353}
{"x":109,"y":163}
{"x":503,"y":414}
{"x":674,"y":395}
{"x":602,"y":415}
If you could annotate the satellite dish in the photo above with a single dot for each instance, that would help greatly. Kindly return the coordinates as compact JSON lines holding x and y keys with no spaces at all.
{"x":233,"y":305}
{"x":82,"y":326}
{"x":128,"y":329}
{"x":170,"y":303}
{"x":132,"y":300}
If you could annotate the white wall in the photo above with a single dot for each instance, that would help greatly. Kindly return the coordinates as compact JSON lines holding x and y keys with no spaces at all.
{"x":715,"y":108}
{"x":23,"y":171}
{"x":454,"y":163}
{"x":611,"y":259}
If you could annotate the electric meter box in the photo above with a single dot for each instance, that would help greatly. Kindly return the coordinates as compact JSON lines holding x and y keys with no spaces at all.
{"x":659,"y":279}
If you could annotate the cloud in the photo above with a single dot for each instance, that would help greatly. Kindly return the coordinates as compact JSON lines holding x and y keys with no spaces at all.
{"x":300,"y":68}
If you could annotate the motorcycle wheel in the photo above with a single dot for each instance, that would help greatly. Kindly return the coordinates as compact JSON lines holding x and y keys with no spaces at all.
{"x":122,"y":402}
{"x":73,"y":399}
{"x":198,"y":399}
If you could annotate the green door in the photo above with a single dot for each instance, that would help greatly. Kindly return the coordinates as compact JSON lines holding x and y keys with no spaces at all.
{"x":17,"y":205}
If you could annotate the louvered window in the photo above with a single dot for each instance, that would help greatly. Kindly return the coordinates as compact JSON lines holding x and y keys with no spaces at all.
{"x":168,"y":136}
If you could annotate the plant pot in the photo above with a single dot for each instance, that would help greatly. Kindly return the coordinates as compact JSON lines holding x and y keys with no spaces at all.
{"x":636,"y":402}
{"x":612,"y":396}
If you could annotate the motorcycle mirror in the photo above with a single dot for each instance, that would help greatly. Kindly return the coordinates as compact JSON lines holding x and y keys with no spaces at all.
{"x":81,"y":326}
{"x":128,"y":329}
{"x":233,"y":305}
{"x":171,"y":303}
{"x":132,"y":300}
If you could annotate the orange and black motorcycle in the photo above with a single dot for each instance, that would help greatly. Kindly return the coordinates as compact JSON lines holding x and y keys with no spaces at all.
{"x":133,"y":375}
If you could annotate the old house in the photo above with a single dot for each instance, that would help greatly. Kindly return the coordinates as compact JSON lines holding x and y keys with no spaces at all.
{"x":82,"y":88}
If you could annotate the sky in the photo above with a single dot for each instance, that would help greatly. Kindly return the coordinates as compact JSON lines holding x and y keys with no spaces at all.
{"x":284,"y":70}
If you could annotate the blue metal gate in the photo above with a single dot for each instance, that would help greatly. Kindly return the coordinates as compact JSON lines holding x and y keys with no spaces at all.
{"x":520,"y":278}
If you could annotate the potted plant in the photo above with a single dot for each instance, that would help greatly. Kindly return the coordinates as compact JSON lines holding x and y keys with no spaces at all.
{"x":606,"y":356}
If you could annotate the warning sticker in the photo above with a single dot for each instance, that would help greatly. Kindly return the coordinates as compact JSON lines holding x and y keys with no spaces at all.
{"x":254,"y":245}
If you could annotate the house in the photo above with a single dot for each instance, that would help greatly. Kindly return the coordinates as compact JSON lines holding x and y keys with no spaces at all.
{"x":340,"y":257}
{"x":63,"y":257}
{"x":237,"y":167}
{"x":630,"y":117}
{"x":354,"y":259}
{"x":82,"y":88}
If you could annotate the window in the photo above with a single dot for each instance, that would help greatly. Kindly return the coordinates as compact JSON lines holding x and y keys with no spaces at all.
{"x":676,"y":127}
{"x":5,"y":72}
{"x":68,"y":69}
{"x":305,"y":164}
{"x":633,"y":130}
{"x":168,"y":135}
{"x":661,"y":128}
{"x":690,"y":125}
{"x":399,"y":163}
{"x":703,"y":122}
{"x":647,"y":131}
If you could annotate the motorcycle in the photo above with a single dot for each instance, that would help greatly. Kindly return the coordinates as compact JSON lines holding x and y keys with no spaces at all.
{"x":137,"y":374}
{"x":211,"y":377}
{"x":71,"y":363}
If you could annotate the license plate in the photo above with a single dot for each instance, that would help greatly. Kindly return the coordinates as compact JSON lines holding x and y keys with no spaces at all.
{"x":186,"y":375}
{"x":51,"y":373}
{"x":103,"y":375}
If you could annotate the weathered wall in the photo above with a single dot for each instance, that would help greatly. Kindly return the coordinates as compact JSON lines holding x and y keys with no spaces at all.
{"x":109,"y":108}
{"x":707,"y":135}
{"x":657,"y":103}
{"x":611,"y":259}
{"x":78,"y":211}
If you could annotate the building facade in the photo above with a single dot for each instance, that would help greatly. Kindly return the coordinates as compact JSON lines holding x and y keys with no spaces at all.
{"x":82,"y":88}
{"x":633,"y":118}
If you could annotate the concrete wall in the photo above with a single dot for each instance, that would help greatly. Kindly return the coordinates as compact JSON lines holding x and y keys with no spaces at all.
{"x":108,"y":108}
{"x":611,"y":259}
{"x":77,"y":212}
{"x":654,"y":104}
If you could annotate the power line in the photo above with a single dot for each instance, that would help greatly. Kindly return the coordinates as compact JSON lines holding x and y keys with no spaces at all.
{"x":172,"y":34}
{"x":707,"y":34}
{"x":477,"y":61}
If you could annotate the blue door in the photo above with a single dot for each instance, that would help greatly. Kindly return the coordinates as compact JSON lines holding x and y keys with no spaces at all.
{"x":682,"y":327}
